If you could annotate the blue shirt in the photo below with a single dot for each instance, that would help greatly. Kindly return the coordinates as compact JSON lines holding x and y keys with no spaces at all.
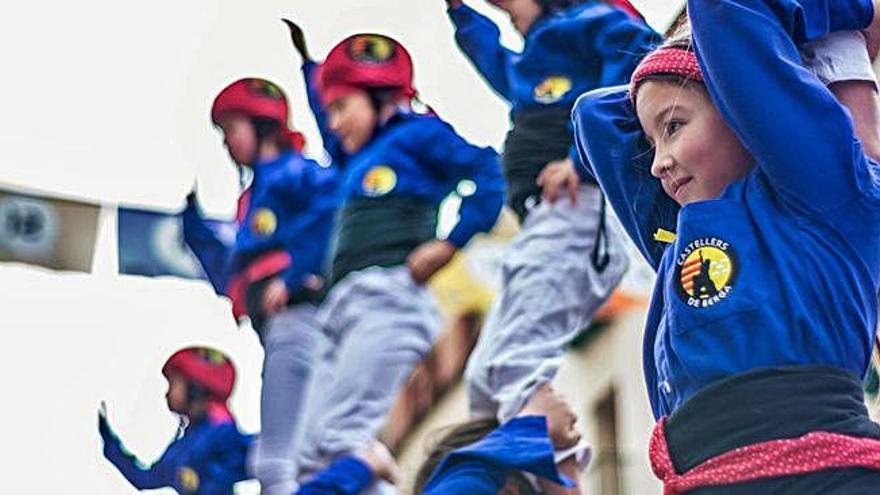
{"x":291,"y":206}
{"x":208,"y":459}
{"x":567,"y":53}
{"x":782,"y":269}
{"x":418,"y":156}
{"x":521,"y":444}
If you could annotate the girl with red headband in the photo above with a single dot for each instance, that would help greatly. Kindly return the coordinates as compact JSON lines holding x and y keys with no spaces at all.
{"x":274,"y":271}
{"x":398,"y":165}
{"x":742,"y":181}
{"x":208,"y":455}
{"x":568,"y":257}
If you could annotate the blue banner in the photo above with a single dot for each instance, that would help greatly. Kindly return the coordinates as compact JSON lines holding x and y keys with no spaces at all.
{"x":151,"y":244}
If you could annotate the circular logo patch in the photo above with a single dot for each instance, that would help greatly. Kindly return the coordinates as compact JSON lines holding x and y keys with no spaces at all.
{"x":264,"y":222}
{"x":371,"y":48}
{"x":379,"y":180}
{"x":552,"y":89}
{"x":213,"y":356}
{"x":189,"y":479}
{"x":265,"y":88}
{"x":705,"y":272}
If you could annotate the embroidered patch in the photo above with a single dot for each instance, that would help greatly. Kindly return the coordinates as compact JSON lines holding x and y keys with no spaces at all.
{"x":265,"y":88}
{"x":552,"y":89}
{"x":705,"y":272}
{"x":213,"y":356}
{"x":189,"y":479}
{"x":379,"y":180}
{"x":264,"y":222}
{"x":371,"y":48}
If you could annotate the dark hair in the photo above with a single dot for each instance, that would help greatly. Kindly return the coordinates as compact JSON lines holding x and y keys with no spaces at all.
{"x":455,"y":437}
{"x":379,"y":97}
{"x":551,"y":6}
{"x":268,"y":130}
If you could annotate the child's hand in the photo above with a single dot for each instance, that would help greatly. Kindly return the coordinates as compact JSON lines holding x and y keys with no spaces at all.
{"x":275,"y":297}
{"x":556,"y":176}
{"x":429,"y":258}
{"x":103,"y":425}
{"x":560,"y":418}
{"x":299,"y":40}
{"x":380,"y":461}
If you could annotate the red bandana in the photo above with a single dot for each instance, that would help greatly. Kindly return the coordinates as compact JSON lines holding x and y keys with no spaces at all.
{"x":675,"y":61}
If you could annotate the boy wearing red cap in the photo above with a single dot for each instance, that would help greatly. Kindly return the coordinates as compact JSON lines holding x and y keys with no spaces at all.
{"x":398,"y":165}
{"x":274,"y":271}
{"x":208,"y":455}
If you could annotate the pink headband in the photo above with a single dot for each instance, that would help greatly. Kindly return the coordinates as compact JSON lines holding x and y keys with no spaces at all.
{"x":674,"y":61}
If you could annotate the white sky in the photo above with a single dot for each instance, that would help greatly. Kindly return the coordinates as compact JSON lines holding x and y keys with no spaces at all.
{"x":109,"y":101}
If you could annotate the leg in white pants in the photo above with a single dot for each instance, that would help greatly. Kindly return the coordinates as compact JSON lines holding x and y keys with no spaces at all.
{"x":550,"y":290}
{"x":292,"y":340}
{"x":383,"y":324}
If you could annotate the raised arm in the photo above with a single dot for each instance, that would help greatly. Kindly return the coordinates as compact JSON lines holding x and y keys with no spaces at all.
{"x":210,"y":247}
{"x":158,"y":475}
{"x":614,"y":37}
{"x":802,"y":138}
{"x":609,"y":141}
{"x":309,"y":71}
{"x":478,"y":37}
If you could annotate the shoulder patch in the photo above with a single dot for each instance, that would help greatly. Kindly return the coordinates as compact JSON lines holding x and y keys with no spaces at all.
{"x":706,"y":271}
{"x":379,"y":181}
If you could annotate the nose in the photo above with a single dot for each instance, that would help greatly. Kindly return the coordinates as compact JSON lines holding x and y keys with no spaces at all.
{"x":334,"y":122}
{"x":661,"y":165}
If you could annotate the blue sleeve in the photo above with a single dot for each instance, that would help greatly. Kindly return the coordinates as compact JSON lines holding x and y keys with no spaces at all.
{"x":801,"y":137}
{"x":331,"y":143}
{"x":618,"y":40}
{"x":158,"y":475}
{"x":455,"y":159}
{"x":478,"y":37}
{"x":611,"y":145}
{"x":521,"y":444}
{"x":345,"y":476}
{"x":309,"y":238}
{"x":212,"y":252}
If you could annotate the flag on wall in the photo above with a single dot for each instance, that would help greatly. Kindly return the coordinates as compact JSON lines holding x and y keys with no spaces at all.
{"x":151,"y":244}
{"x":54,"y":233}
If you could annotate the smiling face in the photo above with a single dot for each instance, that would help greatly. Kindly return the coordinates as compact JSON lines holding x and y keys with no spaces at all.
{"x":353,"y":119}
{"x":696,"y":155}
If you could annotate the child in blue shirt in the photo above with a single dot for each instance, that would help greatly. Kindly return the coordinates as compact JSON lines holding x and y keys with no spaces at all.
{"x":740,"y":178}
{"x":398,"y":165}
{"x":208,"y":455}
{"x":569,"y":256}
{"x":275,"y":271}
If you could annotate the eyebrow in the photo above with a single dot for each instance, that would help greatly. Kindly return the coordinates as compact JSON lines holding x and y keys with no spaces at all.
{"x":664,"y":114}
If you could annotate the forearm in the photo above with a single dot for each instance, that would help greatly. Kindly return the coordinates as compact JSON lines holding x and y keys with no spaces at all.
{"x":128,"y":466}
{"x":860,"y":98}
